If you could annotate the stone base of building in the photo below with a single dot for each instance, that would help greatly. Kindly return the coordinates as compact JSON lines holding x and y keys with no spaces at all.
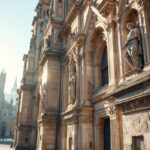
{"x":47,"y":133}
{"x":23,"y":148}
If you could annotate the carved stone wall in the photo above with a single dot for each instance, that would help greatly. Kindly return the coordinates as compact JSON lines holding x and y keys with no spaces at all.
{"x":137,"y":124}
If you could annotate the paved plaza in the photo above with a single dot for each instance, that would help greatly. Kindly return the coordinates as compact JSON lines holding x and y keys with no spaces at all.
{"x":5,"y":147}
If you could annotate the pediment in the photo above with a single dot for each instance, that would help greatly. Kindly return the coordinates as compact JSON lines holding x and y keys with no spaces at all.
{"x":94,"y":20}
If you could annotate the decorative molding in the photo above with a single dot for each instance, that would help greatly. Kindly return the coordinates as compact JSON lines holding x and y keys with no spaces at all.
{"x":135,"y":105}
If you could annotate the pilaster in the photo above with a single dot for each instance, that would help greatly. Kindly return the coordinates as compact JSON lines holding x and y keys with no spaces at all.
{"x":85,"y":132}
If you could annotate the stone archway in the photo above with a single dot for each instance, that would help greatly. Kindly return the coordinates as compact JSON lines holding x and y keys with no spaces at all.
{"x":99,"y":49}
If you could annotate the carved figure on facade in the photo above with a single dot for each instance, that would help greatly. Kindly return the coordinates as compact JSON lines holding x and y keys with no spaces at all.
{"x":133,"y":46}
{"x":42,"y":100}
{"x":48,"y":42}
{"x":56,"y":38}
{"x":72,"y":87}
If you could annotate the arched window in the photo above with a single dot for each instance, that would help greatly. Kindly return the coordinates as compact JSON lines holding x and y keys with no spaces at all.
{"x":104,"y":68}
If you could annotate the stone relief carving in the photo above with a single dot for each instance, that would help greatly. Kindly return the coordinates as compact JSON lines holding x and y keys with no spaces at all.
{"x":112,"y":109}
{"x":133,"y":45}
{"x":136,"y":105}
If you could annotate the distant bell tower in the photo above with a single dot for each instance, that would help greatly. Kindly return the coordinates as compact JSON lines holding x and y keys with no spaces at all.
{"x":14,"y":92}
{"x":2,"y":83}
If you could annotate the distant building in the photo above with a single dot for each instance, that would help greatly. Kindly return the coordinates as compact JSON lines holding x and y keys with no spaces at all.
{"x":14,"y":92}
{"x":7,"y":111}
{"x":2,"y":84}
{"x":86,"y":79}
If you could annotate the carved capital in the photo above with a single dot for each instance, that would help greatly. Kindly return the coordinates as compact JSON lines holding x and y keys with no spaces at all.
{"x":111,"y":110}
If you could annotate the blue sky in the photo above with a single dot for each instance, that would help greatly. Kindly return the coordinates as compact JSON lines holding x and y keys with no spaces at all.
{"x":15,"y":32}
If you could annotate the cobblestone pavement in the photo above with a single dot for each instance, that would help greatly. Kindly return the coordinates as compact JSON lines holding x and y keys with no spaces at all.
{"x":5,"y":147}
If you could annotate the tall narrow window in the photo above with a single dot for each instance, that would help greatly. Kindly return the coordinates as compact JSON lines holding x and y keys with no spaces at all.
{"x":104,"y":68}
{"x":138,"y":143}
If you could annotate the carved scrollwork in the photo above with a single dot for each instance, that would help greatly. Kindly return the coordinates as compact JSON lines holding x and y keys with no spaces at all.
{"x":112,"y":110}
{"x":140,"y":2}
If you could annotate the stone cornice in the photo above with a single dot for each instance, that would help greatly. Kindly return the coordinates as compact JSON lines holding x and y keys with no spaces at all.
{"x":131,"y":85}
{"x":47,"y":117}
{"x":26,"y":125}
{"x":47,"y":53}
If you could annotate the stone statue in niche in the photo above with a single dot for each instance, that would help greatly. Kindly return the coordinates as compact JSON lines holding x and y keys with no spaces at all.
{"x":72,"y":87}
{"x":48,"y":42}
{"x":133,"y":47}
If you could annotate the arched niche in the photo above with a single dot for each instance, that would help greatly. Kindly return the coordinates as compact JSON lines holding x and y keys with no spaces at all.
{"x":100,"y":62}
{"x":131,"y":16}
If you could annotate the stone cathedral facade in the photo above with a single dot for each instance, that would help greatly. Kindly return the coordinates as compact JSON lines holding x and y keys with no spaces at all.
{"x":86,"y":78}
